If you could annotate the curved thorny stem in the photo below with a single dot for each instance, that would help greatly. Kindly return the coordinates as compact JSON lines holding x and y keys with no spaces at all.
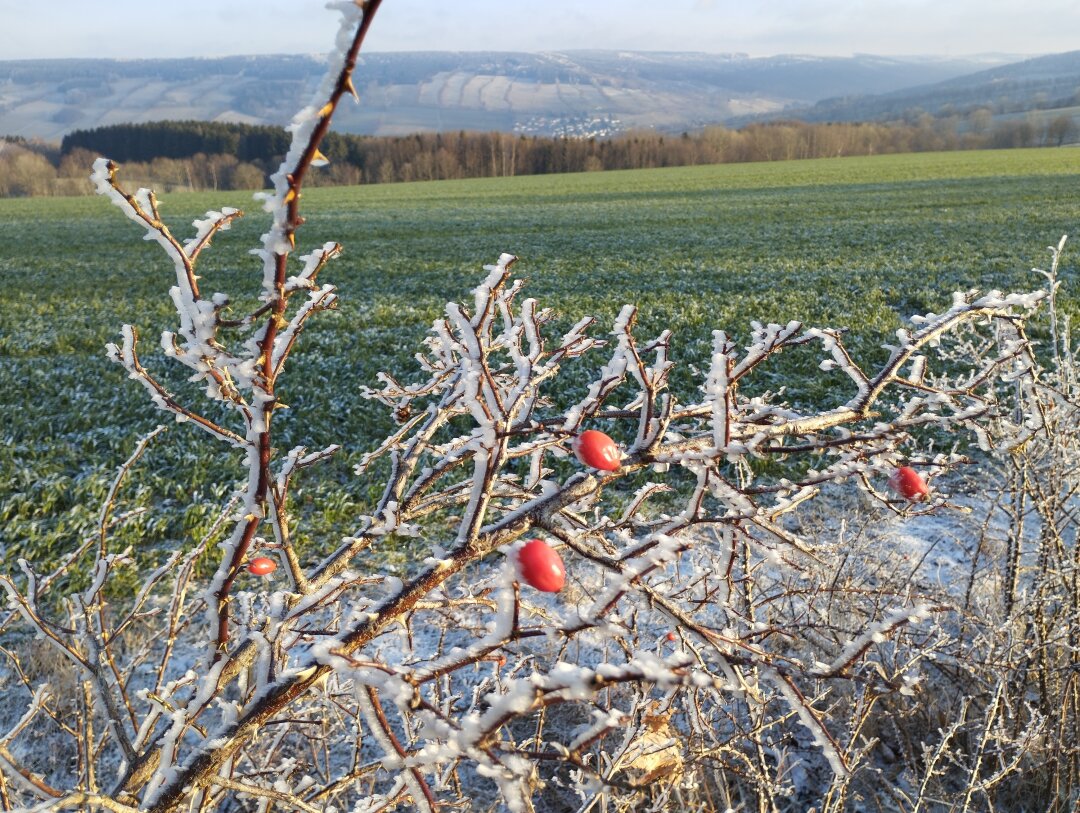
{"x":246,"y":380}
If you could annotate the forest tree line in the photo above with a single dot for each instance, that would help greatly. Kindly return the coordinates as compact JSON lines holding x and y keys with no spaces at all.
{"x":209,"y":155}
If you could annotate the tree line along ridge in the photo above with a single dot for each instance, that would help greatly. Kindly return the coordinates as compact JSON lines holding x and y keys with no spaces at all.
{"x":200,"y":155}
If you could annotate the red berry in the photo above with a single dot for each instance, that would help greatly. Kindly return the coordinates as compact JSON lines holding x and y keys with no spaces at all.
{"x":262,"y":566}
{"x":596,"y":449}
{"x":541,"y":566}
{"x":671,"y":636}
{"x":909,"y":484}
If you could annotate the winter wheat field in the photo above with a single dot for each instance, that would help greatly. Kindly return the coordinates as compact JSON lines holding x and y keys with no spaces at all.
{"x":861,"y":243}
{"x":965,"y":698}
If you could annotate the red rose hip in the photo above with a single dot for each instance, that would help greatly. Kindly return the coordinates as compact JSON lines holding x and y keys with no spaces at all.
{"x":596,"y":449}
{"x":262,"y":566}
{"x":909,"y":484}
{"x":541,"y":566}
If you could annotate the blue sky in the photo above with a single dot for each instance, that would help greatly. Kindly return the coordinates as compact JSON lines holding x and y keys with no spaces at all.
{"x":149,"y":28}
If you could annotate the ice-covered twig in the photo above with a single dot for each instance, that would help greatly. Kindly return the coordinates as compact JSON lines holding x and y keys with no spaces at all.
{"x":127,"y":356}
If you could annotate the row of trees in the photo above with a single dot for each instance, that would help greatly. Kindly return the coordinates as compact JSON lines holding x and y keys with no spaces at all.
{"x":180,"y":139}
{"x":33,"y":169}
{"x":203,"y":155}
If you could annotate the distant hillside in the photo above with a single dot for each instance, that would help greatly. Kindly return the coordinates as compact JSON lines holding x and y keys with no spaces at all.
{"x":1038,"y":84}
{"x":573,"y":92}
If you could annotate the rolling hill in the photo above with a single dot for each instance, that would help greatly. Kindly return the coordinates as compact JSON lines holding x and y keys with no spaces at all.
{"x":571,"y":92}
{"x":1041,"y":83}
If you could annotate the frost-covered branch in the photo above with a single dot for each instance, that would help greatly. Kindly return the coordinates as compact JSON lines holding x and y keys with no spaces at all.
{"x":467,"y":471}
{"x":479,"y":408}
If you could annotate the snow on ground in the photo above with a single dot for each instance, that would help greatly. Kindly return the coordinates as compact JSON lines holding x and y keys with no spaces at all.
{"x":951,"y":555}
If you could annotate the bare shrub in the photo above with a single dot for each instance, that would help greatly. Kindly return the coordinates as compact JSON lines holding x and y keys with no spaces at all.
{"x":705,"y":653}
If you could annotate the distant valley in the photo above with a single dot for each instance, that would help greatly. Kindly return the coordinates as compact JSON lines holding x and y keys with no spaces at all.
{"x":580,"y":93}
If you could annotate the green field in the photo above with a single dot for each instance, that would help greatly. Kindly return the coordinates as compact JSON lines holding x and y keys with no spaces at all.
{"x":860,"y":242}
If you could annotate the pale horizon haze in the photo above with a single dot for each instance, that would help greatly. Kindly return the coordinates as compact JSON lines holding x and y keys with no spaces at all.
{"x":199,"y":28}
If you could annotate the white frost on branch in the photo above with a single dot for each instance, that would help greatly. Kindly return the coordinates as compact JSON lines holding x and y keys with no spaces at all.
{"x":874,"y":634}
